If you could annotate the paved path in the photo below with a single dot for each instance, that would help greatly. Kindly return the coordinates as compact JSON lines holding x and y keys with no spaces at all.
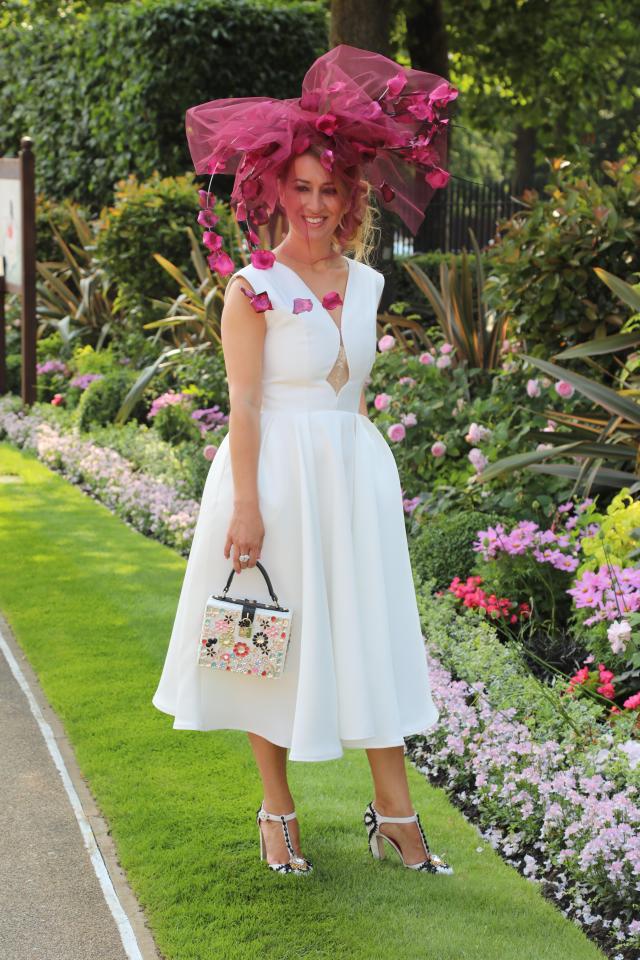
{"x":62,"y":894}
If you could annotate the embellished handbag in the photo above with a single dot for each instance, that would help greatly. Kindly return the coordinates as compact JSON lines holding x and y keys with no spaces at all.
{"x":245,"y":636}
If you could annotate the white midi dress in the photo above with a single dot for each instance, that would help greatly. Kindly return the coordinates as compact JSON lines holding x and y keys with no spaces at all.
{"x":335,"y":547}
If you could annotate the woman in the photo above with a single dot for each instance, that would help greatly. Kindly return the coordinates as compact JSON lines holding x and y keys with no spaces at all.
{"x":305,"y":483}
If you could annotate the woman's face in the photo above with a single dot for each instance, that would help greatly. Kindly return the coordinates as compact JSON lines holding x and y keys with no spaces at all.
{"x":310,"y":198}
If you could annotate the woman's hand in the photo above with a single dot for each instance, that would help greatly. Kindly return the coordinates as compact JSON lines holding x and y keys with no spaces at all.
{"x":245,"y":535}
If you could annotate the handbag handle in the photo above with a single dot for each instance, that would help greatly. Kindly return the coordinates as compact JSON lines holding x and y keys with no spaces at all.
{"x":264,"y":574}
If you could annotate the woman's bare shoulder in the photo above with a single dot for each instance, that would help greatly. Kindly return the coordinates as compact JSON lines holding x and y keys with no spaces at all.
{"x":245,"y":283}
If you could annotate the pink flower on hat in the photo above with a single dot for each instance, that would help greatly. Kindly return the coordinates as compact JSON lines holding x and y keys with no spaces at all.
{"x":212,"y":240}
{"x":397,"y":83}
{"x":327,"y":123}
{"x":221,"y":262}
{"x":327,"y":158}
{"x":207,"y":218}
{"x":437,"y":178}
{"x":302,"y":305}
{"x":262,"y":259}
{"x":206,"y":198}
{"x":388,"y":193}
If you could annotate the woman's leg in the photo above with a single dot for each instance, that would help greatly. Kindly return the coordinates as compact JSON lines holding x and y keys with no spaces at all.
{"x":392,"y":799}
{"x":271,"y":760}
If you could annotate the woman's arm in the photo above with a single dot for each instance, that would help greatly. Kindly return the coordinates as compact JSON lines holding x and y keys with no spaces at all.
{"x":243,"y":332}
{"x":363,"y":405}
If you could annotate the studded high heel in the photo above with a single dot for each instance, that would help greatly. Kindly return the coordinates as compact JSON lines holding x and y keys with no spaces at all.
{"x":372,"y":821}
{"x":295,"y":863}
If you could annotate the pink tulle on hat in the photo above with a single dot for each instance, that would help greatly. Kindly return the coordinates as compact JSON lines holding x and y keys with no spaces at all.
{"x":367,"y":113}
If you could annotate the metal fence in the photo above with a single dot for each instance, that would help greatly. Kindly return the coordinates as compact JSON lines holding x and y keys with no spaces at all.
{"x":452,"y":211}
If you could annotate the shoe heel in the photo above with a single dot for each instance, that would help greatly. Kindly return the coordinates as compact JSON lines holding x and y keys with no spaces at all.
{"x":263,"y":851}
{"x":376,"y":845}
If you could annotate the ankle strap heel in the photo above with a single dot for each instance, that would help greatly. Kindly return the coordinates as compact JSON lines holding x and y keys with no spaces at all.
{"x":372,"y":821}
{"x":295,"y":864}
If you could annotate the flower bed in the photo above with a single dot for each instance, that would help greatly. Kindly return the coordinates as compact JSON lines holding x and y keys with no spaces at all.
{"x":559,"y":800}
{"x":147,"y":504}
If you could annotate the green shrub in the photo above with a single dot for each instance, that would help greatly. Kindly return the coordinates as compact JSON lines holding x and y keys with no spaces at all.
{"x":175,"y":424}
{"x":146,"y":218}
{"x":133,"y":69}
{"x":443,"y":547}
{"x":102,"y":399}
{"x":87,"y":360}
{"x":541,"y":270}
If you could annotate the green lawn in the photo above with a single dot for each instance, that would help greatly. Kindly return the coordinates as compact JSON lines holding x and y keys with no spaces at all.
{"x":92,"y":603}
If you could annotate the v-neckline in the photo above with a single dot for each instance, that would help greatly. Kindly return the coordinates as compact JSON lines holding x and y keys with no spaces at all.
{"x":315,"y":297}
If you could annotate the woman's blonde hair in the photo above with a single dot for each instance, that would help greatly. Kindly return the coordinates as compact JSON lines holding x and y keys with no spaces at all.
{"x":357,"y":231}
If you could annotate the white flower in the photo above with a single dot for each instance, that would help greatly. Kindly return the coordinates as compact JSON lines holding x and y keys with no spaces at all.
{"x":618,"y":635}
{"x":632,"y":750}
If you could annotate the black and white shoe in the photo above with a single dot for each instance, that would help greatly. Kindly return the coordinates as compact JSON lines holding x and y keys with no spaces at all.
{"x":295,"y":864}
{"x":372,"y":821}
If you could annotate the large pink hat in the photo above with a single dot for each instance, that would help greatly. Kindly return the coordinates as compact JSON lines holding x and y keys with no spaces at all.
{"x":366,"y":112}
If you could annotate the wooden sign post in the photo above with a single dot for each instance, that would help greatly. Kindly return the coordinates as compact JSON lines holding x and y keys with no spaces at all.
{"x":18,"y":259}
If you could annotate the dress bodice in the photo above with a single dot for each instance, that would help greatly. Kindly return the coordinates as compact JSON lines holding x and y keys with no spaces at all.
{"x":308,"y":362}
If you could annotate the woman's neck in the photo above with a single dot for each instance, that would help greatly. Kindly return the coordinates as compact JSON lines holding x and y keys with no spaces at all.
{"x":307,"y":256}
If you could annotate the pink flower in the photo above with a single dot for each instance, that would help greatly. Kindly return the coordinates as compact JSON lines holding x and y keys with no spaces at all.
{"x":206,"y":199}
{"x":397,"y":83}
{"x":533,"y":388}
{"x":396,"y":432}
{"x":209,"y":451}
{"x":409,"y":419}
{"x":443,"y":361}
{"x":478,"y":459}
{"x":331,"y":300}
{"x":410,"y":505}
{"x":327,"y":159}
{"x":408,"y":380}
{"x":212,"y":240}
{"x":632,"y":702}
{"x":437,"y":178}
{"x":438,"y":449}
{"x":207,"y":218}
{"x":262,"y":259}
{"x":221,"y":262}
{"x":444,"y":92}
{"x":382,"y":401}
{"x":477,"y":433}
{"x":388,"y":193}
{"x":564,"y":389}
{"x":426,"y":358}
{"x":301,"y":305}
{"x":57,"y":399}
{"x":259,"y":301}
{"x":607,"y":690}
{"x":327,"y":123}
{"x":387,"y":342}
{"x":446,"y":348}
